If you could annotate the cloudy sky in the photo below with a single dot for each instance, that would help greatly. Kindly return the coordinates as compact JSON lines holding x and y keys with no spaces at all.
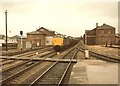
{"x":70,"y":17}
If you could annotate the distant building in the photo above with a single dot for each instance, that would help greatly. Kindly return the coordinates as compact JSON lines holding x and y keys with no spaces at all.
{"x":11,"y":42}
{"x":2,"y":36}
{"x":40,"y":37}
{"x":100,"y":35}
{"x":2,"y":39}
{"x":13,"y":39}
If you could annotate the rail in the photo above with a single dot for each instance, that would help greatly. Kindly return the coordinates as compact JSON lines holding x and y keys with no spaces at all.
{"x":52,"y":68}
{"x":101,"y":56}
{"x":6,"y":80}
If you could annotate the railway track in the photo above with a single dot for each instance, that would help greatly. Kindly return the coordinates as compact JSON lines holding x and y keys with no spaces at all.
{"x":55,"y":74}
{"x":23,"y":62}
{"x":12,"y":73}
{"x":29,"y":54}
{"x":100,"y":56}
{"x":104,"y":57}
{"x":15,"y":77}
{"x":19,"y":52}
{"x":4,"y":62}
{"x":22,"y":52}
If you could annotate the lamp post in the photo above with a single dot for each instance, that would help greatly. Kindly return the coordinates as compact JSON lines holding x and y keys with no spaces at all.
{"x":6,"y":28}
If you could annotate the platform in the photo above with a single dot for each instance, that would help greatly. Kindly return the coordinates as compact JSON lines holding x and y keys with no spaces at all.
{"x":38,"y":59}
{"x":94,"y":72}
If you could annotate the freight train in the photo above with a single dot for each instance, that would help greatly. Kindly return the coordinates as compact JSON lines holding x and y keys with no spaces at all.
{"x":61,"y":43}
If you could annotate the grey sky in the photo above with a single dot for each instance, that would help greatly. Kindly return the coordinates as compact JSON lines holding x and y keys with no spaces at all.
{"x":70,"y":17}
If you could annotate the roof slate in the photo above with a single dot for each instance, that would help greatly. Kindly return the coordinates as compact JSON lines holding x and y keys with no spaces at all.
{"x":35,"y":32}
{"x":105,"y":26}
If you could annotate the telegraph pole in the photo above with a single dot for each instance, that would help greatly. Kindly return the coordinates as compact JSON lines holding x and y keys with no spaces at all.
{"x":6,"y":28}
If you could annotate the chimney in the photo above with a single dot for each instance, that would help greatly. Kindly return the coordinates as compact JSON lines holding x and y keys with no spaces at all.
{"x":96,"y":24}
{"x":104,"y":24}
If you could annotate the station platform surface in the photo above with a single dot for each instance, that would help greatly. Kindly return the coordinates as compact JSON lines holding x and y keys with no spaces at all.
{"x":94,"y":72}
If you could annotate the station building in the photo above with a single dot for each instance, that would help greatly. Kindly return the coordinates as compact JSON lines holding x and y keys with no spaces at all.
{"x":101,"y":35}
{"x":40,"y":38}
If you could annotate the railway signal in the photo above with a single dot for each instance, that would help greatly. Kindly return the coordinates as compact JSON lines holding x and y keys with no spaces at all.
{"x":21,"y":33}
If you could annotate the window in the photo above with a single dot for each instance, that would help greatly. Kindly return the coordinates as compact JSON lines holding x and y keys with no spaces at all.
{"x":102,"y":31}
{"x":109,"y":31}
{"x":109,"y":38}
{"x":103,"y":38}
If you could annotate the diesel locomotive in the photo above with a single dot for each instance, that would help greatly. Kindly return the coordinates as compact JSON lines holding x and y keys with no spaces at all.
{"x":61,"y":43}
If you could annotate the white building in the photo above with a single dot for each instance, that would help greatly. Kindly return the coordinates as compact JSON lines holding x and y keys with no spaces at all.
{"x":48,"y":40}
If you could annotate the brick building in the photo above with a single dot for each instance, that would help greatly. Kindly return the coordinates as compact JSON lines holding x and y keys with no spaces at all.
{"x":100,"y":35}
{"x":40,"y":37}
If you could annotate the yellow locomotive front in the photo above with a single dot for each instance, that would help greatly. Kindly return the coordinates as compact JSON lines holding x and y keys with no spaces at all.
{"x":61,"y":43}
{"x":58,"y":43}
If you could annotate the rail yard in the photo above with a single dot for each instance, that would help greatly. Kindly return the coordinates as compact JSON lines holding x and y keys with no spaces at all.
{"x":45,"y":66}
{"x":59,"y":43}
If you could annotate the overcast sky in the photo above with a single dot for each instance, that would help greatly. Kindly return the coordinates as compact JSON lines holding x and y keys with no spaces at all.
{"x":70,"y":17}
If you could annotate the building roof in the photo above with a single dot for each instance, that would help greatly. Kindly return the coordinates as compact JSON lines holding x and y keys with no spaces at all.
{"x":41,"y":28}
{"x":88,"y":31}
{"x":41,"y":31}
{"x":35,"y":32}
{"x":104,"y":26}
{"x":15,"y":37}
